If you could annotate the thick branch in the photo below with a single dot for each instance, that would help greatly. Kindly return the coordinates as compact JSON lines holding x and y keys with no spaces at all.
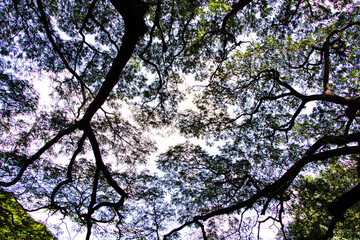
{"x":339,"y":207}
{"x":234,"y":10}
{"x":132,"y":12}
{"x":334,"y":140}
{"x":344,"y":202}
{"x":289,"y":176}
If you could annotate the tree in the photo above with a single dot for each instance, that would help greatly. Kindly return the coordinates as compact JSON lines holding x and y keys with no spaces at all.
{"x":16,"y":223}
{"x":310,"y":212}
{"x":257,"y":66}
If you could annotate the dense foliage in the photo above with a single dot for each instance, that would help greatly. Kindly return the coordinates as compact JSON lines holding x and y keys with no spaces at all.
{"x":16,"y":224}
{"x":274,"y":87}
{"x":311,"y":217}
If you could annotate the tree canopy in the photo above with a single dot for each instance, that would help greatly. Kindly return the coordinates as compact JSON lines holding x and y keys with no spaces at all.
{"x":274,"y":87}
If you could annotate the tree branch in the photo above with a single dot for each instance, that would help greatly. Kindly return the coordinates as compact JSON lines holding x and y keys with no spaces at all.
{"x":283,"y":182}
{"x":68,"y":174}
{"x":100,"y":164}
{"x":43,"y":19}
{"x":234,"y":10}
{"x":326,"y":86}
{"x":338,"y":207}
{"x":292,"y":121}
{"x":92,"y":203}
{"x":202,"y":229}
{"x":132,"y":12}
{"x":36,"y":156}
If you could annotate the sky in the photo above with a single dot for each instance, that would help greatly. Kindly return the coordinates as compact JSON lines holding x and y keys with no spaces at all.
{"x":164,"y":139}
